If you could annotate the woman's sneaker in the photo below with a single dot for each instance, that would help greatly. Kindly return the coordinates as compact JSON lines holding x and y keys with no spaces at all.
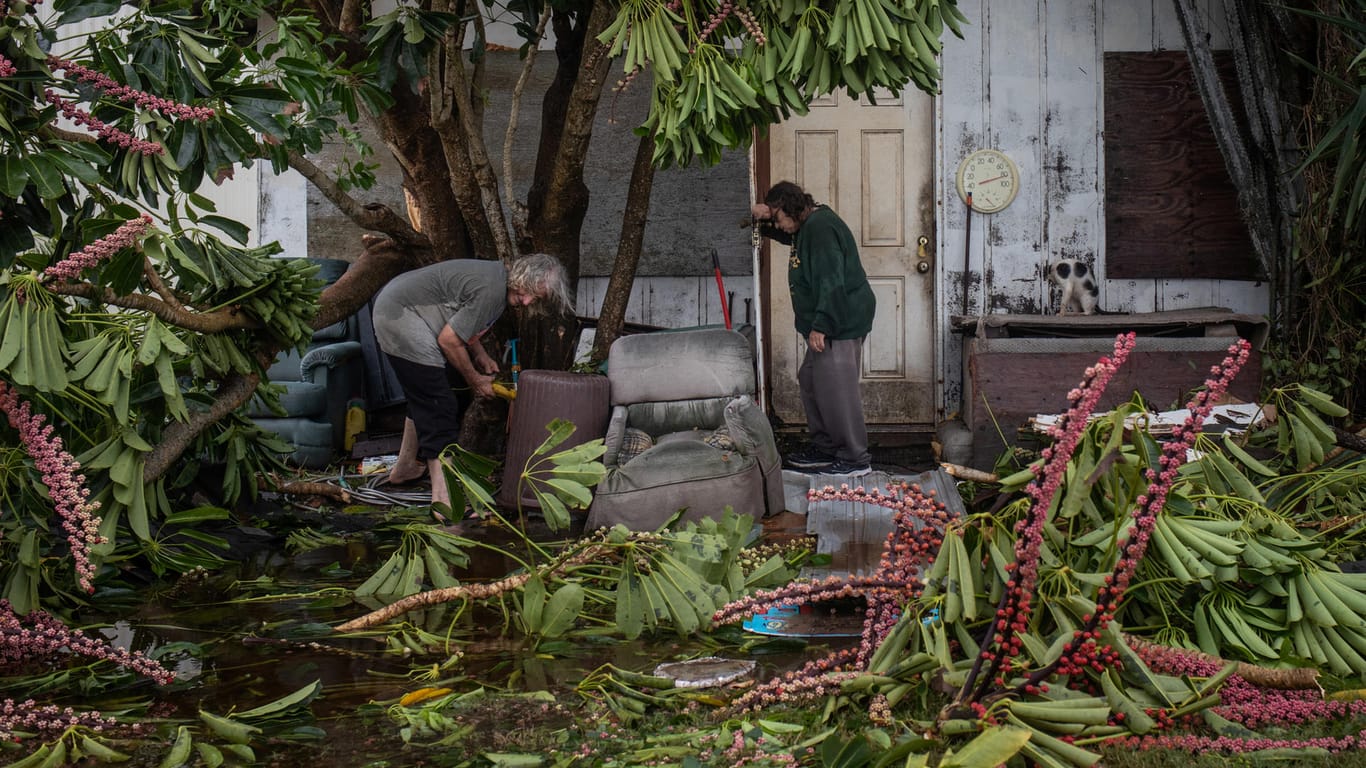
{"x":848,"y":469}
{"x":810,"y":459}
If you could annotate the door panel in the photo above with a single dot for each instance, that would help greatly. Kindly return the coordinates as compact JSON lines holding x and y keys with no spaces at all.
{"x":873,"y":165}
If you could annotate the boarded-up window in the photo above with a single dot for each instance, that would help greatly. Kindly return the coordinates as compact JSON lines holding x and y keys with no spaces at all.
{"x":1170,"y":209}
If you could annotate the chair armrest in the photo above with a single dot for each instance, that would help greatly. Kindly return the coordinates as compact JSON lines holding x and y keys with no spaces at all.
{"x":327,"y":356}
{"x":750,"y":430}
{"x":616,"y":433}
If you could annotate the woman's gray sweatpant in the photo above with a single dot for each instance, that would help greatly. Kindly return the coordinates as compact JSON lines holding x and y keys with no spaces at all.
{"x":830,"y":396}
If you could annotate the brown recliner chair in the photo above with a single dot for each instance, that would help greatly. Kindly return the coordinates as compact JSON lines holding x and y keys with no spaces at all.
{"x":685,"y":432}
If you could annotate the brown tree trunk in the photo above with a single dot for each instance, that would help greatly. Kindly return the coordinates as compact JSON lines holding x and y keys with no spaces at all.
{"x":554,"y":105}
{"x":1253,"y":144}
{"x":613,"y":314}
{"x":557,"y":209}
{"x":412,"y":141}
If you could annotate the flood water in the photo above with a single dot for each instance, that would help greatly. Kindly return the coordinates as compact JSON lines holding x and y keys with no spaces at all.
{"x":262,"y":629}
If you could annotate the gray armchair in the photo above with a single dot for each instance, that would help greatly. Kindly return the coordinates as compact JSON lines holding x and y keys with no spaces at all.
{"x":685,"y":432}
{"x":318,"y":385}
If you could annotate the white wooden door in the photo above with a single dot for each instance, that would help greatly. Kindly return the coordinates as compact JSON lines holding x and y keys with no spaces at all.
{"x":873,"y":164}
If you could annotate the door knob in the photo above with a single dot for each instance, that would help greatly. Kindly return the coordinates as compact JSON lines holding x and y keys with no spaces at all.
{"x":922,"y":253}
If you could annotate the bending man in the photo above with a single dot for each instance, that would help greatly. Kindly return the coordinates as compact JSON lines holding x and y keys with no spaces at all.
{"x":429,"y":323}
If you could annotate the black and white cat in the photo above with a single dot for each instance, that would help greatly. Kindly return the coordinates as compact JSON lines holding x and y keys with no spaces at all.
{"x":1080,"y":294}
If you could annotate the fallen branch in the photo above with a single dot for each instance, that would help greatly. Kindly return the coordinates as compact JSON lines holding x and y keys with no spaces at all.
{"x":1346,"y":441}
{"x":471,"y":591}
{"x":308,"y":488}
{"x":968,"y":473}
{"x":1298,"y":679}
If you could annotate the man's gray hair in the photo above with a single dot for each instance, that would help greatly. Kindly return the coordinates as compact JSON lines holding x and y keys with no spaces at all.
{"x":543,"y":275}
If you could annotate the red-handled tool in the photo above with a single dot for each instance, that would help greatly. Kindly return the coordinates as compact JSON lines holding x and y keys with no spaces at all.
{"x":721,"y":287}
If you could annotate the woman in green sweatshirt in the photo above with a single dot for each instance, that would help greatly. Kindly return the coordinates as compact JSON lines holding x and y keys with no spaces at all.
{"x":834,"y":307}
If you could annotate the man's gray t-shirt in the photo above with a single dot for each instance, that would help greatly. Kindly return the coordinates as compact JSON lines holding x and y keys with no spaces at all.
{"x":466,"y":294}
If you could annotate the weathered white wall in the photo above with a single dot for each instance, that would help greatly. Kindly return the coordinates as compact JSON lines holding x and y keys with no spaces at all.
{"x":1028,"y":80}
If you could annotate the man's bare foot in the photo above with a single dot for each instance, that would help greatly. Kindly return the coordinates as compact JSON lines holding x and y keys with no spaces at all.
{"x":406,"y":473}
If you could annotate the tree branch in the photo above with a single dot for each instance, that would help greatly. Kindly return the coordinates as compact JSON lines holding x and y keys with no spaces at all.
{"x":471,"y":591}
{"x":457,"y":85}
{"x":447,"y":79}
{"x":229,"y":319}
{"x":612,"y":314}
{"x":61,"y":134}
{"x":518,"y":208}
{"x":162,"y":289}
{"x":352,"y":17}
{"x":235,"y":390}
{"x":372,"y":216}
{"x":381,"y":260}
{"x":566,"y":198}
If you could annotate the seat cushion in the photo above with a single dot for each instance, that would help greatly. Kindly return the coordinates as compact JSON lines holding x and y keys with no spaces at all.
{"x":312,"y":440}
{"x":748,"y":427}
{"x":304,"y":398}
{"x":300,"y":399}
{"x":687,"y":365}
{"x":646,"y":492}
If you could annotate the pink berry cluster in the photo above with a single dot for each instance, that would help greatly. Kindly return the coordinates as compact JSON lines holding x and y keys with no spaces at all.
{"x":129,"y":95}
{"x":104,"y":130}
{"x":40,"y":637}
{"x":1082,"y":646}
{"x":1249,"y":704}
{"x":46,"y":720}
{"x":1196,"y":744}
{"x":816,"y":678}
{"x":751,"y":25}
{"x":801,"y":593}
{"x":126,"y":236}
{"x":7,"y":67}
{"x":918,"y":527}
{"x":917,"y":533}
{"x":67,"y":489}
{"x":1012,"y":615}
{"x":718,"y":18}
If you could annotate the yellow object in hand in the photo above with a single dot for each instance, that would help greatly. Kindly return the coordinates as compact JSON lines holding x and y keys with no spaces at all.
{"x":504,"y":391}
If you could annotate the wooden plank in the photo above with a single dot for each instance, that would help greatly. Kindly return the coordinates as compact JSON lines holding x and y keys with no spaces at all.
{"x":962,"y":123}
{"x":1186,"y":294}
{"x":1166,"y":27}
{"x":965,"y":126}
{"x":1008,"y":388}
{"x":1170,"y":209}
{"x":673,"y":299}
{"x":1251,"y":298}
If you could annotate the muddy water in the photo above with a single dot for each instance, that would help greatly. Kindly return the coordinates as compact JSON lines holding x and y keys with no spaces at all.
{"x":263,"y":630}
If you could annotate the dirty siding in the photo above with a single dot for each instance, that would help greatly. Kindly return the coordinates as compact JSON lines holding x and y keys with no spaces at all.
{"x":1028,"y":80}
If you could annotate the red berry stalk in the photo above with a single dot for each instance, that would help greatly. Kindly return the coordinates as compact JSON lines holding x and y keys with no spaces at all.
{"x":1081,"y":652}
{"x":1012,"y":614}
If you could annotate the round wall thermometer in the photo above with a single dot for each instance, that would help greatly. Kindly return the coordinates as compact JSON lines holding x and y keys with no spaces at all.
{"x":990,"y":177}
